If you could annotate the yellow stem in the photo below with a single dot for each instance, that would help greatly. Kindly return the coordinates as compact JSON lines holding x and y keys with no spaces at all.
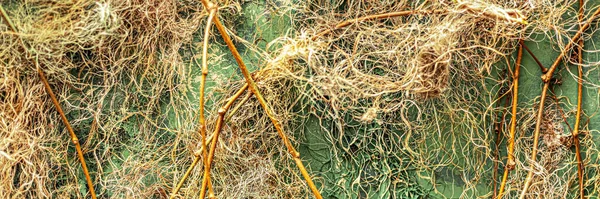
{"x":198,"y":156}
{"x":74,"y":138}
{"x":189,"y":171}
{"x":546,"y":78}
{"x":580,"y":167}
{"x":535,"y":140}
{"x":71,"y":132}
{"x":542,"y":68}
{"x":548,"y":75}
{"x":202,"y":89}
{"x":213,"y":144}
{"x":263,"y":103}
{"x":510,"y":163}
{"x":237,"y":107}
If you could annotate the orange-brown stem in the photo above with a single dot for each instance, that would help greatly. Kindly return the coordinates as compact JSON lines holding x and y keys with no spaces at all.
{"x":542,"y":68}
{"x":197,"y":158}
{"x":198,"y":153}
{"x":202,"y":89}
{"x":580,"y":167}
{"x":546,"y":78}
{"x":510,"y":163}
{"x":74,"y":138}
{"x":548,"y":75}
{"x":262,"y":101}
{"x":536,"y":136}
{"x":71,"y":132}
{"x":186,"y":175}
{"x":213,"y":144}
{"x":237,"y":107}
{"x":201,"y":108}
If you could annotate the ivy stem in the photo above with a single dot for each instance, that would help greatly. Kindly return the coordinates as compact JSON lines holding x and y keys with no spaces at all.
{"x":542,"y":68}
{"x":48,"y":89}
{"x":254,"y":89}
{"x":211,"y":15}
{"x":204,"y":69}
{"x":546,"y":79}
{"x":510,"y":163}
{"x":213,"y":144}
{"x":580,"y":166}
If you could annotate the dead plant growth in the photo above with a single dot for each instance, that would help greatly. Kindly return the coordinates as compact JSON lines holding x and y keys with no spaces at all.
{"x":398,"y":97}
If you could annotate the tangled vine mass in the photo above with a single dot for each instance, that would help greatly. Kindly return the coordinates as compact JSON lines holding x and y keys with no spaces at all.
{"x":298,"y":99}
